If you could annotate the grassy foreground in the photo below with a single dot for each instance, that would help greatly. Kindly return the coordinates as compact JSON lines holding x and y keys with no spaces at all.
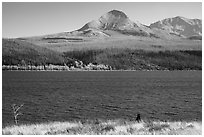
{"x":108,"y":127}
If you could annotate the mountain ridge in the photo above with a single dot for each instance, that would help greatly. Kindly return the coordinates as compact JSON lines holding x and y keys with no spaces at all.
{"x":118,"y":22}
{"x":180,"y":25}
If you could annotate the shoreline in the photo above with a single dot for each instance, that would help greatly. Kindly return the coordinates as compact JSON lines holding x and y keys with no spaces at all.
{"x":93,"y":70}
{"x":107,"y":127}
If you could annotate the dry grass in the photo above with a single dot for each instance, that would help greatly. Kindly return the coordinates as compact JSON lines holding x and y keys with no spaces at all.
{"x":120,"y":41}
{"x":108,"y":127}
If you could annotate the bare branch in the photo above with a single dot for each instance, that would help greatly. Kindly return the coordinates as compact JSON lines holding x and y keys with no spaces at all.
{"x":15,"y":111}
{"x":19,"y":114}
{"x":13,"y":106}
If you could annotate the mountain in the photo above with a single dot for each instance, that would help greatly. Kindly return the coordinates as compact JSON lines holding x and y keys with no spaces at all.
{"x":180,"y":26}
{"x":115,"y":29}
{"x":117,"y":21}
{"x":113,"y":39}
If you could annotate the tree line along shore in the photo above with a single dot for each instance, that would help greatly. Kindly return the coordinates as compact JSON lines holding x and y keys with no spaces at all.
{"x":110,"y":59}
{"x":51,"y":67}
{"x":21,"y":55}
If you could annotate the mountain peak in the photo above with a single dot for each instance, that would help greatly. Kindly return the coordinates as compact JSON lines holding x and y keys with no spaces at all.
{"x":181,"y":17}
{"x":117,"y":13}
{"x":116,"y":20}
{"x":180,"y":26}
{"x":112,"y":20}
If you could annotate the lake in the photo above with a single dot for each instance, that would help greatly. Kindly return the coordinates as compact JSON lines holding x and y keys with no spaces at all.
{"x":71,"y":95}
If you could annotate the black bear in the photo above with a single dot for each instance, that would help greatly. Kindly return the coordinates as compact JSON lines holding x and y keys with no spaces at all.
{"x":138,"y":119}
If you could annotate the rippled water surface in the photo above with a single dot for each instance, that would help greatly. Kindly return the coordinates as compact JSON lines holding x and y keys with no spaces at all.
{"x":61,"y":96}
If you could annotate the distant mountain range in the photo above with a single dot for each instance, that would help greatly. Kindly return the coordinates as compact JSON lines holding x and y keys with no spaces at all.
{"x":180,"y":26}
{"x":115,"y":26}
{"x":112,"y":33}
{"x":118,"y":21}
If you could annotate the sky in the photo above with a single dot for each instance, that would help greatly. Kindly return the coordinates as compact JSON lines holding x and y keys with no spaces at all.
{"x":33,"y":19}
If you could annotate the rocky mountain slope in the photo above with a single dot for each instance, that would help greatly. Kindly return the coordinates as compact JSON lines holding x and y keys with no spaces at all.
{"x":117,"y":21}
{"x":180,"y":26}
{"x":117,"y":24}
